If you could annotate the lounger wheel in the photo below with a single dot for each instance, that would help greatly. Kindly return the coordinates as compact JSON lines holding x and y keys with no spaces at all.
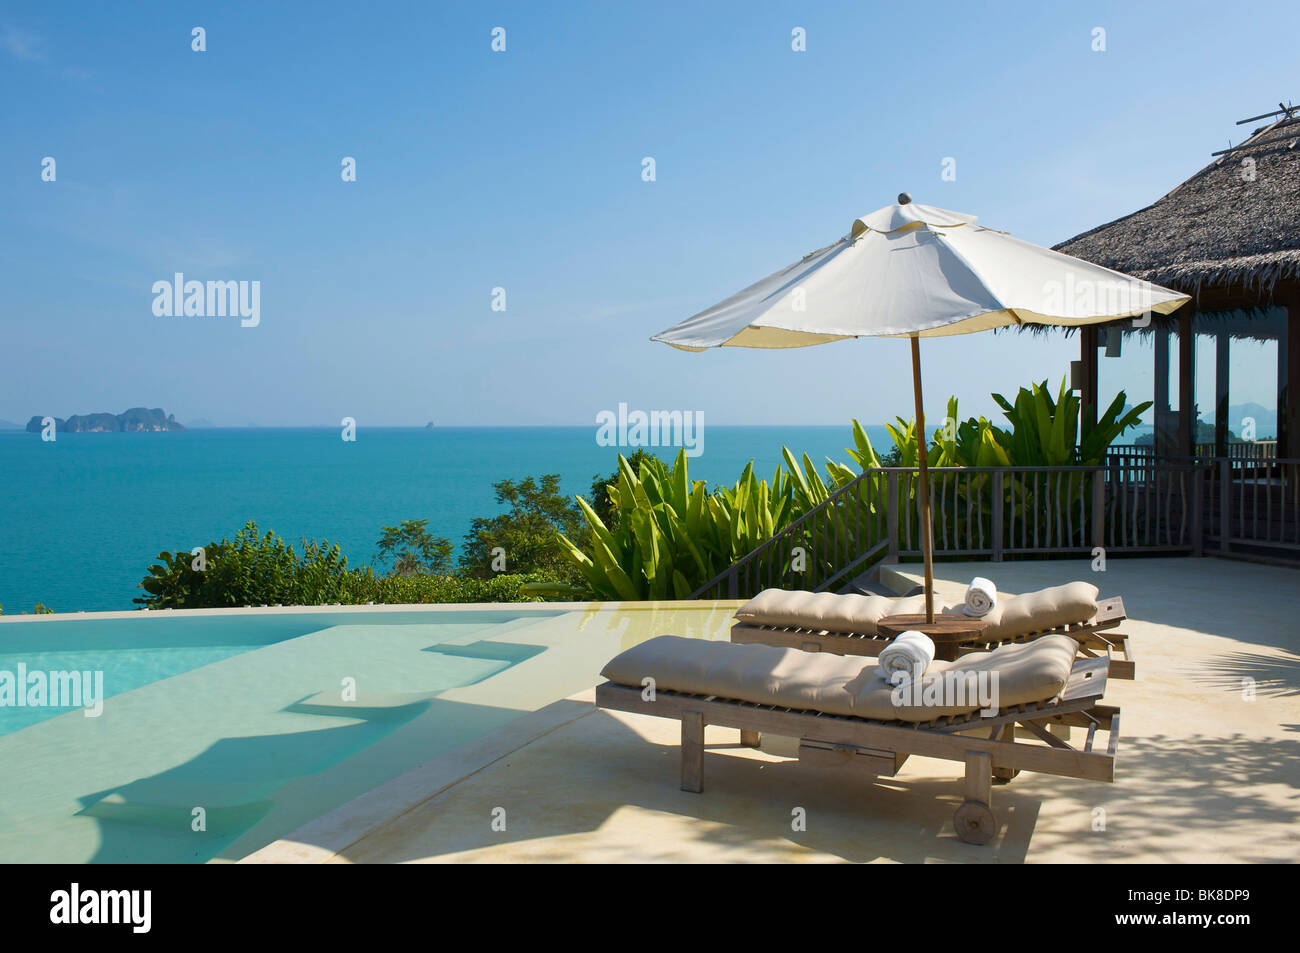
{"x":974,"y":822}
{"x":1004,"y":775}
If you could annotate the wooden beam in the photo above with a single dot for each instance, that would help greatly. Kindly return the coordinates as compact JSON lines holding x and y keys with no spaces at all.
{"x":1088,"y":386}
{"x":1288,"y":385}
{"x":865,"y":734}
{"x":1222,"y":342}
{"x":1162,"y":439}
{"x":1186,"y":384}
{"x":979,"y":777}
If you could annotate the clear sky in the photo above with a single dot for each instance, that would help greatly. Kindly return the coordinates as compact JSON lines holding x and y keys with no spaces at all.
{"x":522,"y":169}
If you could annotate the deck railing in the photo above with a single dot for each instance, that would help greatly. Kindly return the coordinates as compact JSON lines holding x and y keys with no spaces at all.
{"x":1254,"y":510}
{"x":1247,"y":450}
{"x":1136,"y":502}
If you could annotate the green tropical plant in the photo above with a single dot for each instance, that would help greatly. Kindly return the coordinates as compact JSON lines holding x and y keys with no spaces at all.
{"x":663,"y":535}
{"x":1109,"y":428}
{"x":171,"y":583}
{"x":1044,"y":432}
{"x":671,"y":534}
{"x":601,"y":487}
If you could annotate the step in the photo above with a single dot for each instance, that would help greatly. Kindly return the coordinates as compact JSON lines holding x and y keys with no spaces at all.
{"x":897,"y":581}
{"x":375,"y":706}
{"x":229,"y":806}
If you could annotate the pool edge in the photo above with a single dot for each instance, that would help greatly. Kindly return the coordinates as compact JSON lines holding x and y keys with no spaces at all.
{"x":328,"y":836}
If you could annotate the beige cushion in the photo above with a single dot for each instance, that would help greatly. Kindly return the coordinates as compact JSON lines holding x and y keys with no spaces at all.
{"x":849,"y":612}
{"x":837,"y":684}
{"x":823,"y":611}
{"x":1045,"y":609}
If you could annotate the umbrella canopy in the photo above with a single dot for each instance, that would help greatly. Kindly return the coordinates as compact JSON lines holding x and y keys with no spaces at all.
{"x":918,"y":271}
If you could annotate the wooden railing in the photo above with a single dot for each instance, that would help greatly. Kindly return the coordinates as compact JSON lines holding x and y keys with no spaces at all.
{"x":992,"y":512}
{"x":1136,"y":503}
{"x":1252,"y":511}
{"x":1248,"y":450}
{"x":1153,"y":505}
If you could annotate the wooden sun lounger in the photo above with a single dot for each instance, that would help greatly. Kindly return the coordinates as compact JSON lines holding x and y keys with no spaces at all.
{"x":871,"y":749}
{"x":1096,"y":639}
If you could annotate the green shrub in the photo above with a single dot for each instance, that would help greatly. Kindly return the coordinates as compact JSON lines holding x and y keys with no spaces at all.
{"x":253,"y":569}
{"x":450,"y":587}
{"x":261,"y":569}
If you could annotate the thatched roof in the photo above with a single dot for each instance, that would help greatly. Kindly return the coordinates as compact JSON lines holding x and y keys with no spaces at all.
{"x":1225,"y":238}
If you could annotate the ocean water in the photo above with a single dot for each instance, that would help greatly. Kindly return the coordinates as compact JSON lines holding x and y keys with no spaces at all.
{"x":82,"y":517}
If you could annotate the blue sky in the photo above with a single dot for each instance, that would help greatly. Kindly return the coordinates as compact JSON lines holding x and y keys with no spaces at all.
{"x":522,"y":170}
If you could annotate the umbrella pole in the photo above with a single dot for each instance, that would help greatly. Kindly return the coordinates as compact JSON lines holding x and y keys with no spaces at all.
{"x":927,"y":537}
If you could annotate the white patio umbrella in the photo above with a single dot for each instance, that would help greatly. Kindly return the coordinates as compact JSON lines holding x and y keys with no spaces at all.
{"x":917,"y":271}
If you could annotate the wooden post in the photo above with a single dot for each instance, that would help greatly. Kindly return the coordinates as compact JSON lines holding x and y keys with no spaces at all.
{"x":1225,"y":503}
{"x":1198,"y":510}
{"x":1186,"y":384}
{"x":1099,"y":507}
{"x":923,"y":488}
{"x":1288,"y":385}
{"x":692,"y":752}
{"x":1221,"y":345}
{"x":891,"y":511}
{"x":999,"y":513}
{"x":978,"y":783}
{"x":1161,"y":439}
{"x":1088,"y":388}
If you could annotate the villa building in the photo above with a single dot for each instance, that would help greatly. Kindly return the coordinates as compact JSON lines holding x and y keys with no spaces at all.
{"x":1230,"y":237}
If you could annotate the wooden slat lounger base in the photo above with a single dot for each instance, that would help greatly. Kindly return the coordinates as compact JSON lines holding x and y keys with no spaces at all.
{"x":872,"y":749}
{"x":1096,"y":638}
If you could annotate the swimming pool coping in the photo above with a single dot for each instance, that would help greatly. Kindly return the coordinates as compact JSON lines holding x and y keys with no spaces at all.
{"x":328,"y":837}
{"x":538,"y":608}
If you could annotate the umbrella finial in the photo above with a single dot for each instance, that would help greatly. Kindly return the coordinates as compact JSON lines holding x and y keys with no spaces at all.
{"x":904,"y":198}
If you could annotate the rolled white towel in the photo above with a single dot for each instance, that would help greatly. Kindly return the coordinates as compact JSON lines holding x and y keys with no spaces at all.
{"x":981,"y":597}
{"x":910,"y":653}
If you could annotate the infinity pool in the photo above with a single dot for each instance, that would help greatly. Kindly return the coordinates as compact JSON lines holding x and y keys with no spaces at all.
{"x":220,"y":733}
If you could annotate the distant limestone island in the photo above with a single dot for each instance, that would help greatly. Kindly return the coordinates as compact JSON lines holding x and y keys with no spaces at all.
{"x":135,"y":420}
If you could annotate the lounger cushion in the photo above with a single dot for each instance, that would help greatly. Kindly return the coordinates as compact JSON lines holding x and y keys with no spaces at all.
{"x":823,"y":611}
{"x":1012,"y":617}
{"x":1045,"y":609}
{"x":1027,"y":673}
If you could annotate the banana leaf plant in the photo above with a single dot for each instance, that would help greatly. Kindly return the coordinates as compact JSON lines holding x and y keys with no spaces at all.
{"x":672,"y":535}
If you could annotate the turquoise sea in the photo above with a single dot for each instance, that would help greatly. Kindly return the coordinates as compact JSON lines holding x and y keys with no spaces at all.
{"x":82,"y":517}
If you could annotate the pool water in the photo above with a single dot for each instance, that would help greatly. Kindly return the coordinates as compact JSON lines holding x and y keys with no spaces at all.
{"x":220,"y":733}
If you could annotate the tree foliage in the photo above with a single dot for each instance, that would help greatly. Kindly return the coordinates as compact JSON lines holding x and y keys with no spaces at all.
{"x":523,"y":539}
{"x":411,"y":550}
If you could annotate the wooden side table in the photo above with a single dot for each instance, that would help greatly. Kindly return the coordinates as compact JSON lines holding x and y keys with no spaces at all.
{"x":948,"y":632}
